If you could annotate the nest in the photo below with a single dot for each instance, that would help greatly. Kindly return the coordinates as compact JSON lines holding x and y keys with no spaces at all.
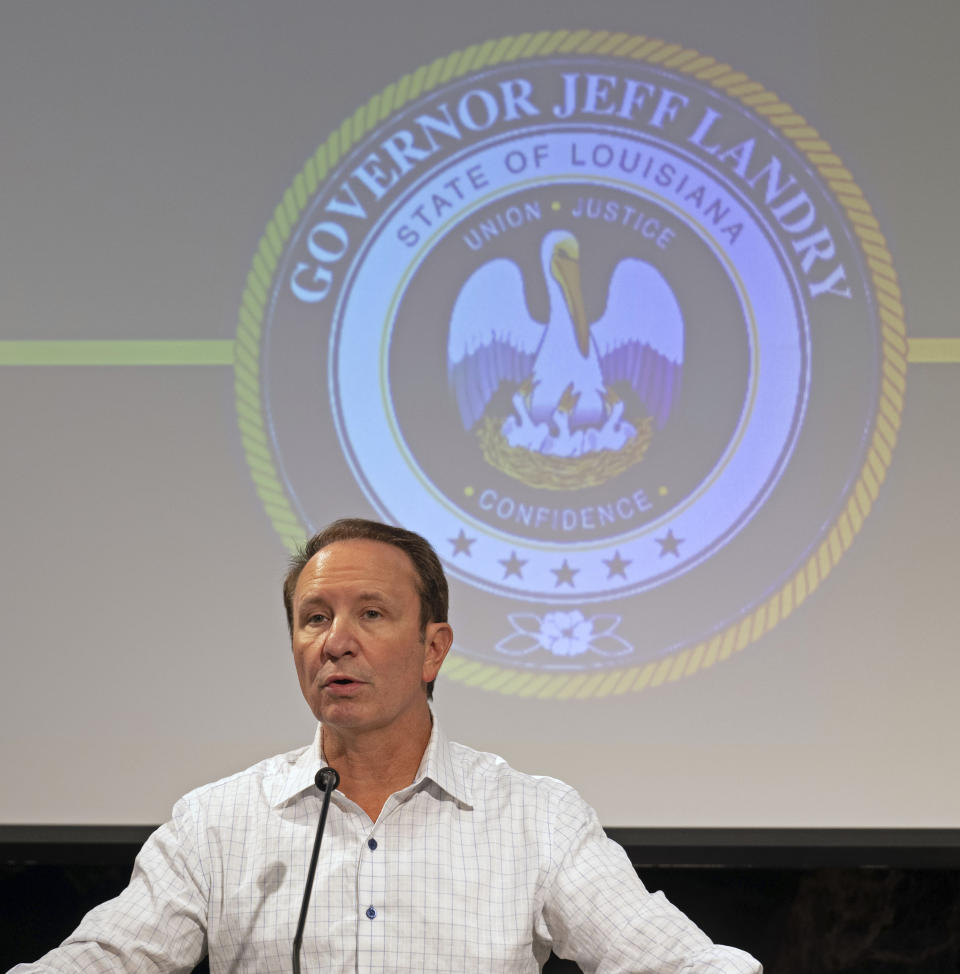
{"x":561,"y":473}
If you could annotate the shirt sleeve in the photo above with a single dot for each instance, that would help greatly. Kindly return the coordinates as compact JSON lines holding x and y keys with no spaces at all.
{"x":597,"y":912}
{"x":158,"y":923}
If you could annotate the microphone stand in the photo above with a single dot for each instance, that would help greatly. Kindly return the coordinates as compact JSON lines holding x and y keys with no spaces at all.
{"x":327,"y":781}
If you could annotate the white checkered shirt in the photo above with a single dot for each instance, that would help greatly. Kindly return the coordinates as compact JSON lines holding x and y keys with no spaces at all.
{"x":474,"y":867}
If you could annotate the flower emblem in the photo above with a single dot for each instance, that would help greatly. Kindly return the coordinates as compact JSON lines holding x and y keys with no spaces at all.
{"x":563,"y":634}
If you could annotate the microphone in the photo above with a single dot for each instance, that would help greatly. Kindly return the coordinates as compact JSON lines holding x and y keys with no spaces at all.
{"x":327,"y":781}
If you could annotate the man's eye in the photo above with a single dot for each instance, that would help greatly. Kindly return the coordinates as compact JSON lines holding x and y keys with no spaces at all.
{"x":372,"y":614}
{"x":317,"y":618}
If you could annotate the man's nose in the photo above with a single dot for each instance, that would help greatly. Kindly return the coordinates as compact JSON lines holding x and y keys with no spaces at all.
{"x":341,"y":639}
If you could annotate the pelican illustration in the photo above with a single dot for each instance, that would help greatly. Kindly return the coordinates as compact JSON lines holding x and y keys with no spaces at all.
{"x":562,"y":370}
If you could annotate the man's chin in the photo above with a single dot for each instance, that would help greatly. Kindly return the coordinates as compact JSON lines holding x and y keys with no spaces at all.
{"x":345,"y":711}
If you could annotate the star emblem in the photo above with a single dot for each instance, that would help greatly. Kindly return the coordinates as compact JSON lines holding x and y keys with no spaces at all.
{"x":617,"y":565}
{"x":461,"y":544}
{"x":564,"y":574}
{"x":513,"y":565}
{"x":670,"y":545}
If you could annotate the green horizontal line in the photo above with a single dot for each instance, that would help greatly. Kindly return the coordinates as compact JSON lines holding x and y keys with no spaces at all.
{"x":933,"y":350}
{"x":220,"y":352}
{"x":120,"y":352}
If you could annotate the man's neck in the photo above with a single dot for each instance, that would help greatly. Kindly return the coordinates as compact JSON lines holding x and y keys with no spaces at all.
{"x":376,"y":763}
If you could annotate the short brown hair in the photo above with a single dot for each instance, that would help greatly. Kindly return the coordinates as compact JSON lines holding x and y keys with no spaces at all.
{"x":431,"y":581}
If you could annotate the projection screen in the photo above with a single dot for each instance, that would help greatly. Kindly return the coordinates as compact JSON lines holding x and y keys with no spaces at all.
{"x":640,"y":312}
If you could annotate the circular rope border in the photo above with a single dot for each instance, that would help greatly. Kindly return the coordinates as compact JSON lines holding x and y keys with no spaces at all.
{"x":780,"y":115}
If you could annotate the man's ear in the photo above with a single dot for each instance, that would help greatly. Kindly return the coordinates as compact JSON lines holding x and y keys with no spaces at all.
{"x":438,"y":638}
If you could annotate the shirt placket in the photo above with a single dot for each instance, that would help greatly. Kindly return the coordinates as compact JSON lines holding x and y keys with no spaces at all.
{"x":370,"y":899}
{"x":371,"y":903}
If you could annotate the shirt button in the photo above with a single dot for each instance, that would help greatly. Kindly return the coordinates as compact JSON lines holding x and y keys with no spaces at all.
{"x":371,"y":844}
{"x":371,"y":912}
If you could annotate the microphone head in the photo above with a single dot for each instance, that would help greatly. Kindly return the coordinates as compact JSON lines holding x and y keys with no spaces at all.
{"x":327,"y":778}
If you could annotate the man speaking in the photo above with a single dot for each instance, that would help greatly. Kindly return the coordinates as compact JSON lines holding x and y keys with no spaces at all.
{"x":434,"y":858}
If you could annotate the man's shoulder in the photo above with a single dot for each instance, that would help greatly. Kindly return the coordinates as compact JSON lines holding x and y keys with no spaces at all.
{"x":263,"y":778}
{"x":488,"y":771}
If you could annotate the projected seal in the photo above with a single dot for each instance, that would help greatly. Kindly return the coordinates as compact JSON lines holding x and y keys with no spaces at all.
{"x":615,"y":331}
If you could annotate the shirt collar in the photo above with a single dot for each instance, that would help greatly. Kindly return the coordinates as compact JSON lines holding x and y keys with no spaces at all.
{"x":438,"y":765}
{"x":297,"y":777}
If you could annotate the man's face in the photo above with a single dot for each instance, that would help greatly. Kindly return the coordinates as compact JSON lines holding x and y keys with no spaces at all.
{"x":360,"y":656}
